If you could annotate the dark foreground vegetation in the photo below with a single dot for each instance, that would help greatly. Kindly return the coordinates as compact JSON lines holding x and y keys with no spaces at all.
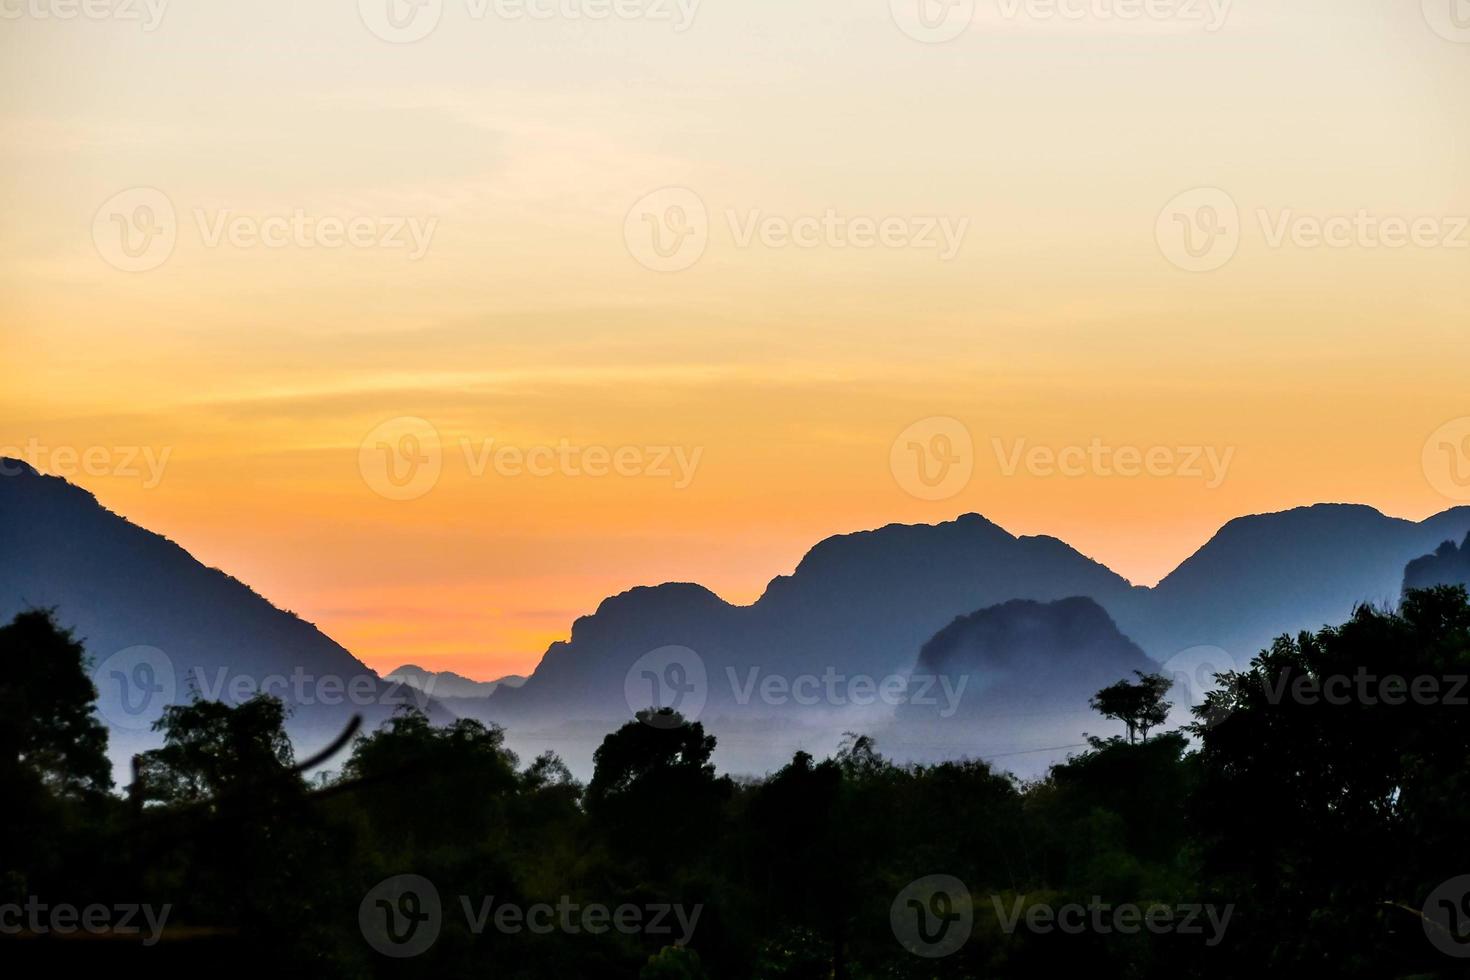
{"x":1313,"y":822}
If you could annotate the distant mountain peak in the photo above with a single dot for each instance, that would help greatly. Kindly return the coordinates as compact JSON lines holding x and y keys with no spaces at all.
{"x":448,"y":684}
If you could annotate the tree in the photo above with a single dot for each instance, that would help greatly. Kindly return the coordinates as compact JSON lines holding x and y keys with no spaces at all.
{"x":211,"y":747}
{"x":47,"y":726}
{"x":463,"y":767}
{"x":1139,"y":706}
{"x":654,"y":792}
{"x":1336,"y":797}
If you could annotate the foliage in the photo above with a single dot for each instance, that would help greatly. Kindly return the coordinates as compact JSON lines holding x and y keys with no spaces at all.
{"x":1322,"y":824}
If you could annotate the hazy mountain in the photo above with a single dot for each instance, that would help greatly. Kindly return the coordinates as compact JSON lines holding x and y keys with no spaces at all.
{"x":1023,"y":656}
{"x":859,"y":608}
{"x":1268,"y":574}
{"x":1014,"y":679}
{"x":860,"y":604}
{"x":447,"y":684}
{"x":159,"y":625}
{"x":865,"y":603}
{"x":1449,"y":565}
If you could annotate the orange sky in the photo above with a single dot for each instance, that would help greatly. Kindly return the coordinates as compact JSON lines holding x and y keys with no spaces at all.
{"x":783,"y":367}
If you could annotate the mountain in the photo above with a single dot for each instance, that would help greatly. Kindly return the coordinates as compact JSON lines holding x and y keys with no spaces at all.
{"x":1269,"y":574}
{"x":859,"y":604}
{"x":447,"y":684}
{"x":159,"y":626}
{"x":1448,"y":565}
{"x":859,"y":612}
{"x":1014,"y":679}
{"x":864,"y":603}
{"x":1028,"y":656}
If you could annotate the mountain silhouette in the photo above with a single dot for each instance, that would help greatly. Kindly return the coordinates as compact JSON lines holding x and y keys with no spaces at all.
{"x":149,"y":612}
{"x":1268,"y":574}
{"x":860,"y":603}
{"x":447,"y":684}
{"x":1029,"y":655}
{"x":1449,"y":565}
{"x":867,"y":605}
{"x":1011,"y":678}
{"x":867,"y":602}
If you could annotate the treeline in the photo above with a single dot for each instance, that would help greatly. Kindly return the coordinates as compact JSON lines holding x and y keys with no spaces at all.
{"x":1283,"y":835}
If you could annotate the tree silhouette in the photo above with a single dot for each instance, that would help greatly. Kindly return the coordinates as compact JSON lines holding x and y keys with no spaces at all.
{"x":211,"y":747}
{"x":654,"y":792}
{"x":1139,"y":706}
{"x":47,"y":727}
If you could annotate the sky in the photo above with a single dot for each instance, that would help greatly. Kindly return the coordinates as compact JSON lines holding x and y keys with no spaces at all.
{"x":437,"y":324}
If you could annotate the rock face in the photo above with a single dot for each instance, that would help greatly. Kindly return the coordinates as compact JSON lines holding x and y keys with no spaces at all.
{"x":1449,"y":565}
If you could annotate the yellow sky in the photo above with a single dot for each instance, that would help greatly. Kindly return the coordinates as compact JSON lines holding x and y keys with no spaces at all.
{"x":528,"y":155}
